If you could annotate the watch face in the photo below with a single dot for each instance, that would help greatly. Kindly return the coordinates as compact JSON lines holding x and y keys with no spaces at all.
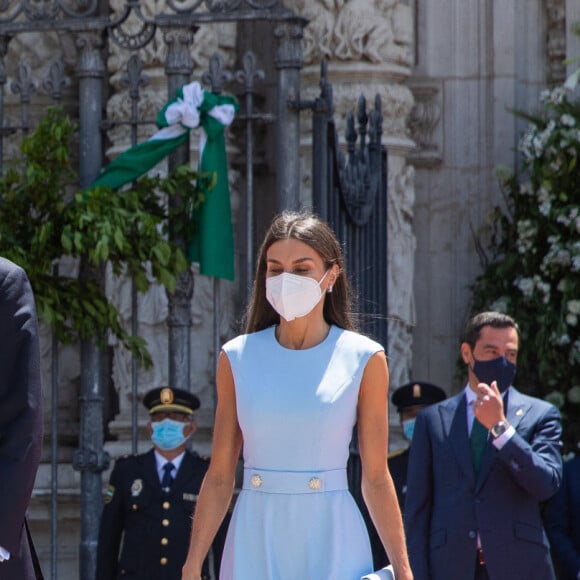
{"x":498,"y":429}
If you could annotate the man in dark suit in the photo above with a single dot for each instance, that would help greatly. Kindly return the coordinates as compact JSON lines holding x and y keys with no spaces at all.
{"x":20,"y":421}
{"x":563,"y":523}
{"x":480,"y":465}
{"x":150,"y":501}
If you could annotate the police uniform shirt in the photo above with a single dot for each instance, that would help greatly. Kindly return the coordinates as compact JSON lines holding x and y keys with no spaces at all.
{"x":161,"y":461}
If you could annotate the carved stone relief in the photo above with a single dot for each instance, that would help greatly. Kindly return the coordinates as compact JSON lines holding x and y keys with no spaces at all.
{"x":424,"y":125}
{"x":556,"y":40}
{"x":375,"y":31}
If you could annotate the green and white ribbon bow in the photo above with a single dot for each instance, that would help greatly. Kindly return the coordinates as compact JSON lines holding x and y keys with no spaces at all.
{"x":213,"y":242}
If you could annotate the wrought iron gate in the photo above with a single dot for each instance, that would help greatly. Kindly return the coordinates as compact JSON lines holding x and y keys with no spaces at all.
{"x":350,"y":193}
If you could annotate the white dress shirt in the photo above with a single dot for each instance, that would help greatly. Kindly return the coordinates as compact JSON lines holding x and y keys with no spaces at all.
{"x":161,"y":461}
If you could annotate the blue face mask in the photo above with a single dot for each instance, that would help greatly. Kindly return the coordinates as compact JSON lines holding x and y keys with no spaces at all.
{"x":499,"y":369}
{"x":168,"y":434}
{"x":408,"y":428}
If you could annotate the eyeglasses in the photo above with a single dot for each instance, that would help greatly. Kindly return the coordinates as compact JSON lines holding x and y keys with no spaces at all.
{"x":175,"y":415}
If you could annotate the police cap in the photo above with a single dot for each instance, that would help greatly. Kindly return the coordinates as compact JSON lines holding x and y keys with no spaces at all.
{"x":168,"y":399}
{"x":417,"y":393}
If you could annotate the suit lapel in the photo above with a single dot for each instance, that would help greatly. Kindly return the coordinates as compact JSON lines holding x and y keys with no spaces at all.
{"x":517,"y":407}
{"x":454,"y":418}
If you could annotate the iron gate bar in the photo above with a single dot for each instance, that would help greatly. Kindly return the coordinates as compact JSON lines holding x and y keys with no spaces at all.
{"x":54,"y":379}
{"x":134,"y":79}
{"x":178,"y":69}
{"x":247,"y":77}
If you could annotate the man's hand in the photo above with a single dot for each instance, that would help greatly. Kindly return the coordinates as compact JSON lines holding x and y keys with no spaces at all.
{"x":488,"y":407}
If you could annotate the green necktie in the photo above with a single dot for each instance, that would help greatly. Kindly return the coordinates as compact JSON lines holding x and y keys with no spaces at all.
{"x":478,"y":440}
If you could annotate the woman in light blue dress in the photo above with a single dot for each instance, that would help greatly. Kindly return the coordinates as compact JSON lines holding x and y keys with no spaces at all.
{"x":290,"y":391}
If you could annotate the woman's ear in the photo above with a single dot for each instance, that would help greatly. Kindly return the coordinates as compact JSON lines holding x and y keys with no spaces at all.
{"x":334,"y":274}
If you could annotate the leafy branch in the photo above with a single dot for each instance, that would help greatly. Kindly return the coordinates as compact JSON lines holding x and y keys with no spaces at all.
{"x":43,"y":218}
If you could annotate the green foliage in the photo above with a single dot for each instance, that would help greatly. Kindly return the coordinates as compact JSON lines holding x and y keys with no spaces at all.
{"x":43,"y":219}
{"x":533,"y":271}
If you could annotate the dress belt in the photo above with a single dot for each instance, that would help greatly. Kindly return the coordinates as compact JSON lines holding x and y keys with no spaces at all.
{"x":269,"y":481}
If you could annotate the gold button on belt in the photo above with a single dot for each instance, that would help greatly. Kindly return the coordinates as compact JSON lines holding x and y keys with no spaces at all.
{"x":256,"y":480}
{"x":315,"y":483}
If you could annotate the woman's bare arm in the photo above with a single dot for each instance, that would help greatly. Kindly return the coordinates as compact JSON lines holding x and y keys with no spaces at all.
{"x":218,"y":485}
{"x":377,"y":485}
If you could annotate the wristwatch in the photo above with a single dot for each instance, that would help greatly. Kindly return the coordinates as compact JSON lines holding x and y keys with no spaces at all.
{"x":498,"y":429}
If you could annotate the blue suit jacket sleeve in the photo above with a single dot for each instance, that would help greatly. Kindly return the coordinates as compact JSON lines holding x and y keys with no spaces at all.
{"x":536,"y":462}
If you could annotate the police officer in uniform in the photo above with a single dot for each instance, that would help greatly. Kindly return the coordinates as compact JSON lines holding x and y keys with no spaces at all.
{"x":150,"y":501}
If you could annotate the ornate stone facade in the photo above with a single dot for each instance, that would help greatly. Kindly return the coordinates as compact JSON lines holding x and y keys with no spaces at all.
{"x":445,"y":72}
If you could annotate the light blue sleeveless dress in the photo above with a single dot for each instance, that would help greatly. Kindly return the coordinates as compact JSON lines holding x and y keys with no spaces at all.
{"x":295,"y":518}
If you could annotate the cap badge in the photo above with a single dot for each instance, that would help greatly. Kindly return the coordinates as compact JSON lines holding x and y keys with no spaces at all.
{"x":166,"y":396}
{"x":137,"y":487}
{"x":416,"y":391}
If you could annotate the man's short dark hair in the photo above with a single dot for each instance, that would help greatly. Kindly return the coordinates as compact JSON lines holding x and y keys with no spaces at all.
{"x":472,"y":330}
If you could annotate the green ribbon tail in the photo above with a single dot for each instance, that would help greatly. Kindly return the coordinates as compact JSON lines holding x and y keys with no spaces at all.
{"x":213,"y":239}
{"x":137,"y":161}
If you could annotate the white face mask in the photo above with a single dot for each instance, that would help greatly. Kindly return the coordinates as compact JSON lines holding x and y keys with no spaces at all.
{"x":293,"y":296}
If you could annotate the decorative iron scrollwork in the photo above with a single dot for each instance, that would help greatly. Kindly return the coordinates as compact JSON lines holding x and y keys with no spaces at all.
{"x":134,"y":79}
{"x":24,"y":85}
{"x":249,"y":73}
{"x":216,"y":75}
{"x":132,"y":30}
{"x":56,"y":80}
{"x":359,"y":172}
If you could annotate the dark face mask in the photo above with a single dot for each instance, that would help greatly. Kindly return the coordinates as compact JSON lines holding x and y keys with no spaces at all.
{"x":499,"y":369}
